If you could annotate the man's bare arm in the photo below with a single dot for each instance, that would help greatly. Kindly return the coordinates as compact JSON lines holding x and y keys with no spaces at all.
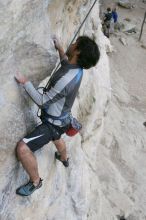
{"x":38,"y":98}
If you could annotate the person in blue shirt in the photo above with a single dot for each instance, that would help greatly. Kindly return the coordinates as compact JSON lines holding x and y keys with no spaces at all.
{"x":114,"y":15}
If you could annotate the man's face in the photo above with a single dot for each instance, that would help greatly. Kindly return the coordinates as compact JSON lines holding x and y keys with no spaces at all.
{"x":72,"y":50}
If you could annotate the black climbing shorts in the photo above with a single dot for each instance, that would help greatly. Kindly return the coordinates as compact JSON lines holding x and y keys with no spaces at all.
{"x":43,"y":134}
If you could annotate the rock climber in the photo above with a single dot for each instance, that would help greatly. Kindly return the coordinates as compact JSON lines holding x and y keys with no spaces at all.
{"x":55,"y":106}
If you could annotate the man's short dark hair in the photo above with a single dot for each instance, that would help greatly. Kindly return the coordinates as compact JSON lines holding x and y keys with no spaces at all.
{"x":89,"y":52}
{"x":108,"y":9}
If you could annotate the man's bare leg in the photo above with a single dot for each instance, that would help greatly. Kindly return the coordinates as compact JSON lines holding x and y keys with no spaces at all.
{"x":28,"y":161}
{"x":61,"y":147}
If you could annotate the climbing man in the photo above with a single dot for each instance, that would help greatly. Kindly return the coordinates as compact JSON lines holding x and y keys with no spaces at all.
{"x":55,"y":106}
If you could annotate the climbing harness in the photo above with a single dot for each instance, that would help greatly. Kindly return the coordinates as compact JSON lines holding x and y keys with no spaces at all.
{"x":47,"y":85}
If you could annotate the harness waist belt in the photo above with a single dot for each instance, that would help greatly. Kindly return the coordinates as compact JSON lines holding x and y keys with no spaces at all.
{"x":55,"y":122}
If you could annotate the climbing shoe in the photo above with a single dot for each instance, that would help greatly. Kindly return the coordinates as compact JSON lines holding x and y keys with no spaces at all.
{"x":58,"y":157}
{"x":28,"y":188}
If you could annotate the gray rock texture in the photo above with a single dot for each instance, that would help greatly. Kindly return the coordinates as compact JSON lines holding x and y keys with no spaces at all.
{"x":26,"y":46}
{"x":125,"y":3}
{"x":106,"y":178}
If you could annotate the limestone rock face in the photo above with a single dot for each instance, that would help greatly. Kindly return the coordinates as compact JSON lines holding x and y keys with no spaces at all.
{"x":26,"y":46}
{"x":125,"y":3}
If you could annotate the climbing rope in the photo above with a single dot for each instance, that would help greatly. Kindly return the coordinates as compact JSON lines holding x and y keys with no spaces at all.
{"x":46,"y":87}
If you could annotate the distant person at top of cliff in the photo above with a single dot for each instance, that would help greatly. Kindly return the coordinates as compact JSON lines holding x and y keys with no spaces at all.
{"x":114,"y":15}
{"x":106,"y":22}
{"x":55,"y":106}
{"x":107,"y":15}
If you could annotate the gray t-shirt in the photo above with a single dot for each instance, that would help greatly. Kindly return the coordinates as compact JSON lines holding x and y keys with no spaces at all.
{"x":57,"y":102}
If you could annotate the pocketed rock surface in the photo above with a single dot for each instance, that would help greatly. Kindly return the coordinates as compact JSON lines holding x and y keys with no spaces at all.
{"x":106,"y":177}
